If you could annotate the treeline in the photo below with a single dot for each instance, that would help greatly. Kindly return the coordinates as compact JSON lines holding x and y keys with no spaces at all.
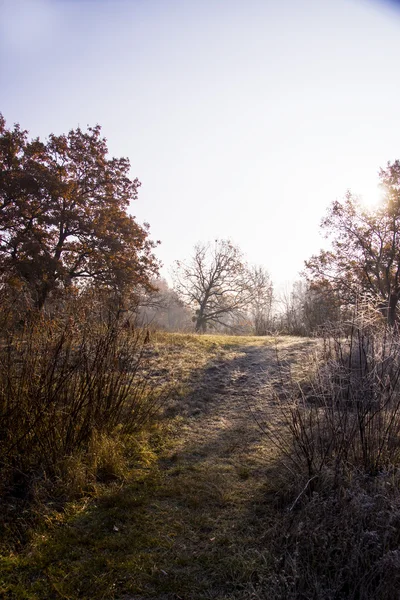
{"x":362,"y":268}
{"x":65,"y":228}
{"x":298,"y":310}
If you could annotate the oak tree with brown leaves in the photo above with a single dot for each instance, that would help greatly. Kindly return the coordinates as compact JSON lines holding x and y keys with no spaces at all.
{"x":63,"y":215}
{"x":365,"y":255}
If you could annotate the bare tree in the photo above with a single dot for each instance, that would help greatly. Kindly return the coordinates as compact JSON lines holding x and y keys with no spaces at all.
{"x":261,"y":301}
{"x":291,"y":309}
{"x":163,"y":309}
{"x":304,"y":310}
{"x":215,"y":283}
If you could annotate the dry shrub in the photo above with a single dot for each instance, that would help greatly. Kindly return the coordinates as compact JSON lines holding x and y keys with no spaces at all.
{"x":68,"y":384}
{"x":339,"y":545}
{"x":337,"y":533}
{"x":346,"y":416}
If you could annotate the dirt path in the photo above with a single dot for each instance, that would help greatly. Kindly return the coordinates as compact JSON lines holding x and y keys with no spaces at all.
{"x":215,"y":478}
{"x":221,"y":414}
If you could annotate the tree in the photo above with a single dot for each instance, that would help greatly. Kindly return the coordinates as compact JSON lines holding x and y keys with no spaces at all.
{"x":261,"y":301}
{"x":215,"y":283}
{"x":365,"y":255}
{"x":64,"y":219}
{"x":304,"y":309}
{"x":163,"y":309}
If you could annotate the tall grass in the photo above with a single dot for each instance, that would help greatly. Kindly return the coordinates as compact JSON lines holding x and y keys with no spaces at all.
{"x":338,"y":522}
{"x":65,"y":381}
{"x":347,"y":415}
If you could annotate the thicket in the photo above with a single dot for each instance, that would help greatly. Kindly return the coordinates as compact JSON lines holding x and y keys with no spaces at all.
{"x":338,"y":471}
{"x":71,"y":394}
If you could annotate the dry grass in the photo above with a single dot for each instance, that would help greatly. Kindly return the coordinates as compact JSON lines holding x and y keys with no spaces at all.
{"x":72,"y":402}
{"x":189,"y":519}
{"x":206,"y":509}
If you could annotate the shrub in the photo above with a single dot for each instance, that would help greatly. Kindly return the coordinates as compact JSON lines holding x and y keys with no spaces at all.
{"x":347,"y":415}
{"x":338,"y":506}
{"x":65,"y":381}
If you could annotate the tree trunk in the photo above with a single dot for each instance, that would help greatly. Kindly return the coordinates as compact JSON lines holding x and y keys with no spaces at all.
{"x":391,"y":315}
{"x":41,"y":297}
{"x":200,"y":324}
{"x":43,"y":289}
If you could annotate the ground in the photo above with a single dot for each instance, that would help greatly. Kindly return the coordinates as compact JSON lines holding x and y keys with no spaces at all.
{"x":191,"y":522}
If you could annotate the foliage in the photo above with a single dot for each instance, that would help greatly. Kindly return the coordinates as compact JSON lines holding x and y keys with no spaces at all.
{"x":347,"y":415}
{"x":365,"y":257}
{"x":337,"y":470}
{"x":215,"y":283}
{"x":64,"y":219}
{"x":338,"y":543}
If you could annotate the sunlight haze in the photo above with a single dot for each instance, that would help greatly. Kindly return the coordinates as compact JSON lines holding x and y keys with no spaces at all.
{"x":242,"y":120}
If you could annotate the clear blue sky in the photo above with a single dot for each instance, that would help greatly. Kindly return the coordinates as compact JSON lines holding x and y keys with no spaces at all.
{"x":241,"y":119}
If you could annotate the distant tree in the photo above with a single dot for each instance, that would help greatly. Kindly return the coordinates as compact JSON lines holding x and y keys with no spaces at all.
{"x":63,"y":217}
{"x":291,"y":299}
{"x":305,"y":310}
{"x":261,"y":300}
{"x":365,"y":255}
{"x":163,"y":308}
{"x":320,"y":309}
{"x":215,"y":283}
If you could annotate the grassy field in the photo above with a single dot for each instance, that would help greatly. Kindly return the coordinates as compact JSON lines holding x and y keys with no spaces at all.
{"x":205,"y":509}
{"x":185,"y":520}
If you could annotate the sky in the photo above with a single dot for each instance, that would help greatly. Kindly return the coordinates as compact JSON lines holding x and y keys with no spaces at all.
{"x":242,"y":120}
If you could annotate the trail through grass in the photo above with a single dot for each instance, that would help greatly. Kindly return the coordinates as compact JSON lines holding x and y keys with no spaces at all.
{"x":193,"y":517}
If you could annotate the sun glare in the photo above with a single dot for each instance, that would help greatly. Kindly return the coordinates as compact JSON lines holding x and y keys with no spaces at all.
{"x":371,"y":198}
